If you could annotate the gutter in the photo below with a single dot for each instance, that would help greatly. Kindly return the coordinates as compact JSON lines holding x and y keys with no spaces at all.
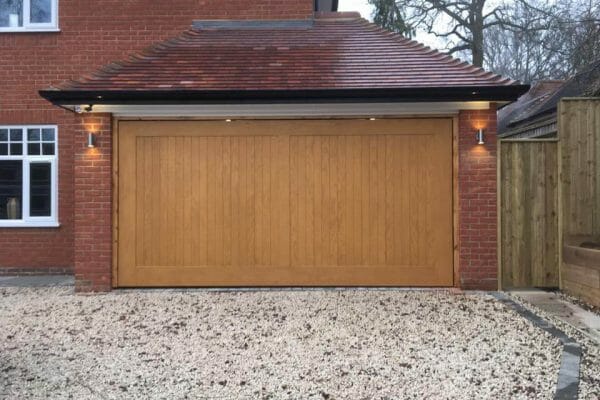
{"x":375,"y":95}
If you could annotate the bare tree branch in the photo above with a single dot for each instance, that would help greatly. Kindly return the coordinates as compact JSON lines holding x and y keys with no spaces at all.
{"x":458,"y":48}
{"x":454,"y":31}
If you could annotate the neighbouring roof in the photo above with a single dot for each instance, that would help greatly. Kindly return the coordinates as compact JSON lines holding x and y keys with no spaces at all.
{"x":534,"y":114}
{"x":338,"y":55}
{"x":527,"y":103}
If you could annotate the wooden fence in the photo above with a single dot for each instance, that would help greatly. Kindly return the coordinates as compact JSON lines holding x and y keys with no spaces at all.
{"x":579,"y":127}
{"x":528,"y":210}
{"x":579,"y":130}
{"x":549,"y":196}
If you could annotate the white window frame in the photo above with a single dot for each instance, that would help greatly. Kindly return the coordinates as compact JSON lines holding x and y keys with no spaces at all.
{"x":28,"y":221}
{"x":29,"y":26}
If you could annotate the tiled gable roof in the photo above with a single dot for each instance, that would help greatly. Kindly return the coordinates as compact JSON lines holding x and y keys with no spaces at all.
{"x":327,"y":53}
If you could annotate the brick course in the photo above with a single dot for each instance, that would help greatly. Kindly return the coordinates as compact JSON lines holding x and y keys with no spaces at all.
{"x":93,"y":205}
{"x":477,"y":179}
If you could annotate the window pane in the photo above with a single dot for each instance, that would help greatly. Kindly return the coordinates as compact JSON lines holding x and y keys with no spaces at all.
{"x":48,"y":149}
{"x":16,"y":149}
{"x":16,"y":135}
{"x":33,"y":149}
{"x":11,"y":13}
{"x":41,"y":11}
{"x":11,"y":189}
{"x":48,"y":135}
{"x":40,"y":189}
{"x":3,"y":134}
{"x":33,"y":134}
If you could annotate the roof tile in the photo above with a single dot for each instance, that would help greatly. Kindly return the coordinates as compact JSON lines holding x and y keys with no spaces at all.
{"x":331,"y":53}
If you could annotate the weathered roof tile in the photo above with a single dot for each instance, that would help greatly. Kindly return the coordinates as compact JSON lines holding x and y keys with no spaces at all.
{"x":331,"y":53}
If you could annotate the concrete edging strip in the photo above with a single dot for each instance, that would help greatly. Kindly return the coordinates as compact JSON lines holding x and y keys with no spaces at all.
{"x":567,"y":387}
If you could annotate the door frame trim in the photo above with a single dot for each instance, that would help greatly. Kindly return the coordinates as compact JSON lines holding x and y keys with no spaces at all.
{"x":115,"y":203}
{"x":455,"y":195}
{"x":455,"y":204}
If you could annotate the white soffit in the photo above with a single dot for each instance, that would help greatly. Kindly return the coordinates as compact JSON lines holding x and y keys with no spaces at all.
{"x":282,"y":110}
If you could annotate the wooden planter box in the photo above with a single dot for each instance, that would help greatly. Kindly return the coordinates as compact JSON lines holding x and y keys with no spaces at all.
{"x":581,"y":270}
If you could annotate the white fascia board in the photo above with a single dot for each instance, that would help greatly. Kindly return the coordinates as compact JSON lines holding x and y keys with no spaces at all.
{"x":284,"y":110}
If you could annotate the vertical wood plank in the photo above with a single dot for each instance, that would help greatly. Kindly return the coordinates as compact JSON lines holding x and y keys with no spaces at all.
{"x":318,"y":212}
{"x":228,"y":223}
{"x":236,"y":236}
{"x":281,"y":201}
{"x":203,"y":194}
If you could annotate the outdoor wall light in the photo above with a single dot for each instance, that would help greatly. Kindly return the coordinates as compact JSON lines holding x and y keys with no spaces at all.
{"x":228,"y":120}
{"x":479,"y":137}
{"x":91,"y":140}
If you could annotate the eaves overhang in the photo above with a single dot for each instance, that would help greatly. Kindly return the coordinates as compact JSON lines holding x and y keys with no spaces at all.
{"x":68,"y":98}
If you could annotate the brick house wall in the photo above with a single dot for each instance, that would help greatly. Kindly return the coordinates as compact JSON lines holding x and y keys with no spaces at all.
{"x":91,"y":34}
{"x":477,"y":192}
{"x":93,"y":205}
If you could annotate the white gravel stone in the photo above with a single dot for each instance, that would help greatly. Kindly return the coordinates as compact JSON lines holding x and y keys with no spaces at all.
{"x":589,"y":384}
{"x":354,"y":344}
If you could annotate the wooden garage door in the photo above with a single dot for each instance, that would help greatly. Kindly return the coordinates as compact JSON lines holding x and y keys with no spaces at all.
{"x":311,"y":202}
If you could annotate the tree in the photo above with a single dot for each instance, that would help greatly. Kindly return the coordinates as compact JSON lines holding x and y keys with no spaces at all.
{"x":524,"y":54}
{"x":527,"y":40}
{"x":566,"y":43}
{"x":577,"y":27}
{"x":461,"y":23}
{"x":389,"y":15}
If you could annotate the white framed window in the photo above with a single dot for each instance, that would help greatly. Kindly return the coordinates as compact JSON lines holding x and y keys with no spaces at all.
{"x":28,"y":176}
{"x":28,"y":15}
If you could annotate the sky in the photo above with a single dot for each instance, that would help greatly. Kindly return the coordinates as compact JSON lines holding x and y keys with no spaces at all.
{"x":362,"y":6}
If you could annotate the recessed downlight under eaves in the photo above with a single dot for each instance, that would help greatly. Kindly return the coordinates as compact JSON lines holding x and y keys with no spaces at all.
{"x":282,"y":110}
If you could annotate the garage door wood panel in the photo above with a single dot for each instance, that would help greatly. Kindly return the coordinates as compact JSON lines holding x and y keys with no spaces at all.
{"x":208,"y":201}
{"x":370,"y":215}
{"x":285,"y":203}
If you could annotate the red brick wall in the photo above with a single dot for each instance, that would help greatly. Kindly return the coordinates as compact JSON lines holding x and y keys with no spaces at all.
{"x":43,"y":250}
{"x":92,"y":34}
{"x":93,"y":205}
{"x":477,"y":176}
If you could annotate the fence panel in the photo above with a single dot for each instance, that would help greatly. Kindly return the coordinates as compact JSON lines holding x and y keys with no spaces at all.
{"x":529,"y":229}
{"x":579,"y":127}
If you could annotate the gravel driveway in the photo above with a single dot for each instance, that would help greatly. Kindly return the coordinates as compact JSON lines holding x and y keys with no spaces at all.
{"x":321,"y":344}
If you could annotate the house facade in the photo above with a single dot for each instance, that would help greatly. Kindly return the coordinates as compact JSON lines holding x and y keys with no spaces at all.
{"x":233,"y":143}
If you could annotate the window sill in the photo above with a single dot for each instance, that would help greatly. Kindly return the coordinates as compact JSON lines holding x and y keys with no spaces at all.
{"x":29,"y":30}
{"x":29,"y":224}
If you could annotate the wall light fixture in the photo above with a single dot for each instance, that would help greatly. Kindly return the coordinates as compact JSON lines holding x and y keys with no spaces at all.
{"x":91,"y":140}
{"x":479,"y":136}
